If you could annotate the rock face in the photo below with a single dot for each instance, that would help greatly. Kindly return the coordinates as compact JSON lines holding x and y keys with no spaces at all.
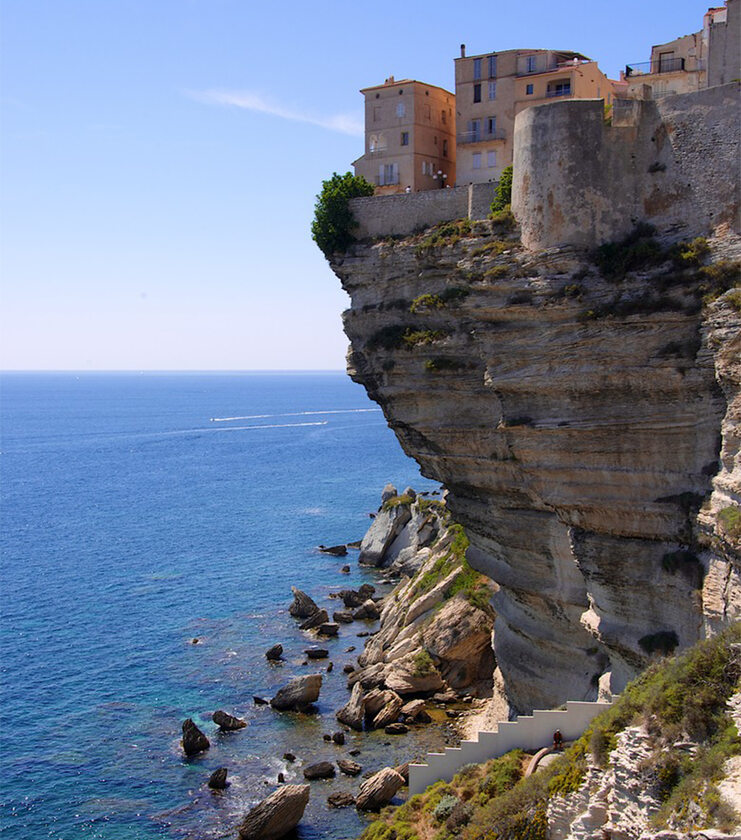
{"x":379,"y":790}
{"x":275,"y":816}
{"x":194,"y":741}
{"x":580,"y":422}
{"x":227,"y":722}
{"x":298,"y":694}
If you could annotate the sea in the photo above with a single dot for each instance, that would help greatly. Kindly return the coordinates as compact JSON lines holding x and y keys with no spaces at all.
{"x":141,"y":512}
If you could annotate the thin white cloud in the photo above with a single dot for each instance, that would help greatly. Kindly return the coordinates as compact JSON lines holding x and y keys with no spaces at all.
{"x":344,"y":123}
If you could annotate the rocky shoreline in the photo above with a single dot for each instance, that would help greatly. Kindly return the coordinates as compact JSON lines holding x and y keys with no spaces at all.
{"x":427,"y":657}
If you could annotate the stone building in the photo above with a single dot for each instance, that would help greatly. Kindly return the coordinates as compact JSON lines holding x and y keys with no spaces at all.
{"x":492,"y":88}
{"x":409,"y":137}
{"x":691,"y":62}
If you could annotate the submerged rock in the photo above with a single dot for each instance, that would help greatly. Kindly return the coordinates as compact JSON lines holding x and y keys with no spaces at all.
{"x":379,"y":790}
{"x":227,"y":722}
{"x":328,"y":628}
{"x":345,"y":570}
{"x":338,"y":738}
{"x":396,"y":729}
{"x":217,"y":780}
{"x":194,"y":741}
{"x":298,"y":694}
{"x":340,"y":800}
{"x":303,"y":606}
{"x":276,"y":815}
{"x":317,"y":653}
{"x":260,"y":701}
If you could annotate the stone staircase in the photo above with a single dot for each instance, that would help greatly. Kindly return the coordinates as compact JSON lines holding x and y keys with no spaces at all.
{"x":527,"y":732}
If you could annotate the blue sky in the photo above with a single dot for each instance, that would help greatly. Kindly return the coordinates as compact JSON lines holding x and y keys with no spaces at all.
{"x":161,"y":158}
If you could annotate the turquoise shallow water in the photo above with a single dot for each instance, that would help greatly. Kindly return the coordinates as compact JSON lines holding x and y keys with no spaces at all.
{"x":133,"y":522}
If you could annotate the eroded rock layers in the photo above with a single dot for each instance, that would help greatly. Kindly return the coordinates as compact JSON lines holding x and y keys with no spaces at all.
{"x":580,"y":423}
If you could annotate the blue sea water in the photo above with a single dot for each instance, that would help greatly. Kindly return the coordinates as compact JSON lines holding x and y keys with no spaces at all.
{"x":136,"y":518}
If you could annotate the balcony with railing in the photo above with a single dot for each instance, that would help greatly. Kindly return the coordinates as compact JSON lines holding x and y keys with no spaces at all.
{"x":466,"y":137}
{"x":548,"y":67}
{"x":559,"y":90}
{"x":663,"y":65}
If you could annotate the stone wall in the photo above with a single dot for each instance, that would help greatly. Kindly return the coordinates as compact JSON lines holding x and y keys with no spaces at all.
{"x":405,"y":213}
{"x":672,"y":162}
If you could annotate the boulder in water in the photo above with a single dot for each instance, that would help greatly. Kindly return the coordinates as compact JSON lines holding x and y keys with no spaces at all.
{"x":217,"y":780}
{"x":349,"y":768}
{"x":302,"y":606}
{"x":320,"y":770}
{"x":298,"y":694}
{"x":340,"y":799}
{"x":194,"y":741}
{"x":227,"y":722}
{"x":274,"y":653}
{"x":276,"y":815}
{"x":379,"y":790}
{"x":313,"y":621}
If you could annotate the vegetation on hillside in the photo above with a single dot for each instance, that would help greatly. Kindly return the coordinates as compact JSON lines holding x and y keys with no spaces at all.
{"x":332,"y":228}
{"x":681,"y":699}
{"x":503,"y":191}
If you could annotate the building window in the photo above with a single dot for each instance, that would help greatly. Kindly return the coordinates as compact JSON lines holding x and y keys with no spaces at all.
{"x":491,"y":125}
{"x":388,"y":173}
{"x":492,"y":90}
{"x":376,"y":113}
{"x":477,"y":68}
{"x":559,"y":88}
{"x":491,"y":159}
{"x":531,"y":64}
{"x":445,"y":148}
{"x":474,"y":131}
{"x":477,"y":160}
{"x":477,"y":93}
{"x":492,"y":66}
{"x":444,"y":116}
{"x":404,"y":138}
{"x":435,"y":139}
{"x":400,"y":110}
{"x":529,"y":90}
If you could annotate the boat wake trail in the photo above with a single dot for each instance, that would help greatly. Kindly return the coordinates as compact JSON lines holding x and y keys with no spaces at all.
{"x":294,"y":414}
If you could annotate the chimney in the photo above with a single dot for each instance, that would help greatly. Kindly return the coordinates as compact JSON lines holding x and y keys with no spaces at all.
{"x":390,"y":80}
{"x":463,"y":50}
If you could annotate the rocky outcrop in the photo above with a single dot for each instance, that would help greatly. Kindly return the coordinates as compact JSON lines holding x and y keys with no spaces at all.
{"x":194,"y":741}
{"x":276,"y":815}
{"x":580,"y":419}
{"x":274,"y":653}
{"x":320,"y":770}
{"x":379,"y":790}
{"x":299,"y":694}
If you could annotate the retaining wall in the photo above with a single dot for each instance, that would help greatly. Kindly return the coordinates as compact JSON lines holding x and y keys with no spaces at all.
{"x":672,"y":162}
{"x":528,"y":732}
{"x":405,"y":213}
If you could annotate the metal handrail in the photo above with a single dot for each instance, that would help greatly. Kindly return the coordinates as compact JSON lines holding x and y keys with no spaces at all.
{"x":558,"y":65}
{"x":479,"y":137}
{"x":564,"y":92}
{"x":661,"y":65}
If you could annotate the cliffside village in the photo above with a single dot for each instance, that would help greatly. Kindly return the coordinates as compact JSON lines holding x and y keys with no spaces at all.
{"x":422,"y":137}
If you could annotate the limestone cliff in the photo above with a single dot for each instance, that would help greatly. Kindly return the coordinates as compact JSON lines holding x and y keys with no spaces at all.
{"x":583,"y":414}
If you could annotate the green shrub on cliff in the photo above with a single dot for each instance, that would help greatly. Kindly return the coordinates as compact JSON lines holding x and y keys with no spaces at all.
{"x":503,"y":192}
{"x":333,"y":222}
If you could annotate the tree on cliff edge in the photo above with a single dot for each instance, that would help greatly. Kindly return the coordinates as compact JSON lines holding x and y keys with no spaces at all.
{"x":333,"y":221}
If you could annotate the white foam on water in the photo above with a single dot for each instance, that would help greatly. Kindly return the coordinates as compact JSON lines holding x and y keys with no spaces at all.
{"x":294,"y":414}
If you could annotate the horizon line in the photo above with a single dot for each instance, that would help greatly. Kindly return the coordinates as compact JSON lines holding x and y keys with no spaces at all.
{"x":173,"y":370}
